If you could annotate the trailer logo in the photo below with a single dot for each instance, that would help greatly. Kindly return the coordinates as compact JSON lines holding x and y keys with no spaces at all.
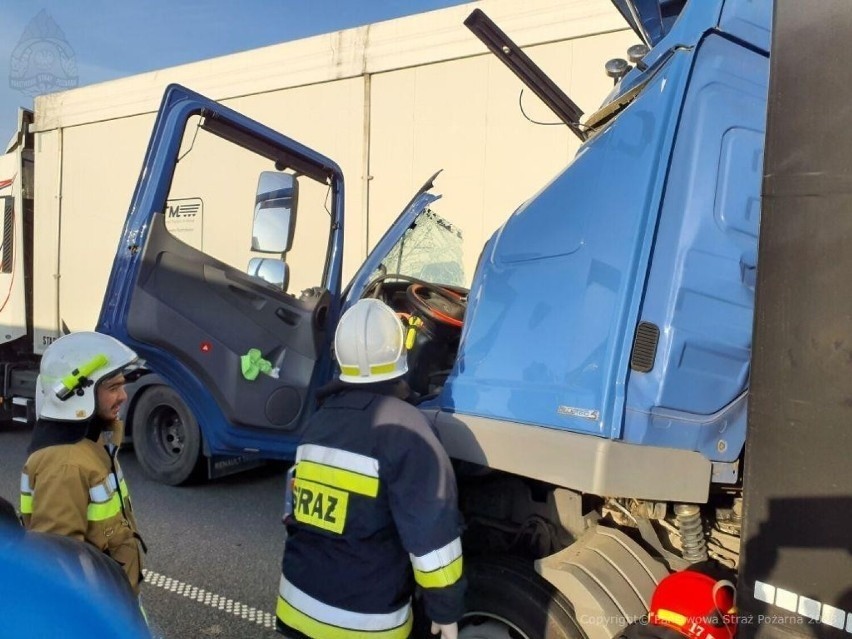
{"x":42,"y":61}
{"x":184,"y":219}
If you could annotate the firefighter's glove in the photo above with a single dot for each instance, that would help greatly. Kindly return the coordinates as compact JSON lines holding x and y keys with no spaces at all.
{"x":448,"y":630}
{"x":252,"y":364}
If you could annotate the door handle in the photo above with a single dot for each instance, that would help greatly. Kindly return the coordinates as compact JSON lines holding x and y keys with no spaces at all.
{"x":288,"y":317}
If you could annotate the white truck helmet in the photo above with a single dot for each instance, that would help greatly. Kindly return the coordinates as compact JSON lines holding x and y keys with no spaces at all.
{"x":70,"y":371}
{"x":369,"y":343}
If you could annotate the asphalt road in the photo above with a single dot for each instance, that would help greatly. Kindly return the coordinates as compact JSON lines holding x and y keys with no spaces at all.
{"x":214,"y":549}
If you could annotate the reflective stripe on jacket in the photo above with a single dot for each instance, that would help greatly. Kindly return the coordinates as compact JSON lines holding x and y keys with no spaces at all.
{"x":374,"y":509}
{"x":105,"y":500}
{"x":70,"y":490}
{"x":317,"y":619}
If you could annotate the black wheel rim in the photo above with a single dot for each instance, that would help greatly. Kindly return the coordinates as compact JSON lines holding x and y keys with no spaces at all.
{"x":168,"y":433}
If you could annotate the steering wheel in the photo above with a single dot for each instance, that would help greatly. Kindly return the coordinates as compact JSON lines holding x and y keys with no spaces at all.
{"x":439,"y":304}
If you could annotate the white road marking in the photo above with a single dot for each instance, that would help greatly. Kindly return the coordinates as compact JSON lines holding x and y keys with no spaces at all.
{"x":219,"y":602}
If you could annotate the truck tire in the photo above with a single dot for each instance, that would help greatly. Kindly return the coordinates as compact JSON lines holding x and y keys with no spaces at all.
{"x":507,"y":599}
{"x":166,"y":437}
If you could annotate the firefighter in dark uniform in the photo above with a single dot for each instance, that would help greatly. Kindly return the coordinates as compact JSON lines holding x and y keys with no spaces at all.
{"x":374,"y":502}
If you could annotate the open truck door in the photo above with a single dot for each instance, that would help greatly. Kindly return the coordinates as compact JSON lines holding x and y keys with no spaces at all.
{"x":237,"y":354}
{"x":199,"y":286}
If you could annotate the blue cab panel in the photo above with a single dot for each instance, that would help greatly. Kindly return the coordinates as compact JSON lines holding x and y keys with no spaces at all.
{"x":700,"y":287}
{"x":655,"y":221}
{"x":55,"y":586}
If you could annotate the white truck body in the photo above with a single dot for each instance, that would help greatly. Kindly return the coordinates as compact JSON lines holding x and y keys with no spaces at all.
{"x":13,"y":309}
{"x":392,"y":102}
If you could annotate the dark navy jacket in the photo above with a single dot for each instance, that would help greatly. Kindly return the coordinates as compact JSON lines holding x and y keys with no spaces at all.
{"x":374,"y":511}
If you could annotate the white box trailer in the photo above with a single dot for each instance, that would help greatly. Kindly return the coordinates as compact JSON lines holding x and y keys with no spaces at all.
{"x":391,"y":103}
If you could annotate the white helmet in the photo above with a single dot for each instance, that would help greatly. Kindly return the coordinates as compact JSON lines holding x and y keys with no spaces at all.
{"x":369,"y":343}
{"x":70,"y":371}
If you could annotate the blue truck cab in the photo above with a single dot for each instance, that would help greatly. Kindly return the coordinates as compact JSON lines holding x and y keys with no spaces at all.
{"x":592,"y":382}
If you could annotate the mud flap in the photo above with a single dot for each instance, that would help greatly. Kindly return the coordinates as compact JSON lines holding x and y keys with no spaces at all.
{"x":607,"y":577}
{"x":223,"y":465}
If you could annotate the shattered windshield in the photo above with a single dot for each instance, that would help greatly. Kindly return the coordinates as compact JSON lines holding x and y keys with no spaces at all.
{"x":431,"y":250}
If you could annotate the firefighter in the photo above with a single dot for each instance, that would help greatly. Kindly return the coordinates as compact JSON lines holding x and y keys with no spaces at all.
{"x":72,"y":483}
{"x":373,"y":502}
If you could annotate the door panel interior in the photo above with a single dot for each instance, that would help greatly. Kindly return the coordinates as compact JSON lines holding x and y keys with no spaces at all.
{"x":210,"y":314}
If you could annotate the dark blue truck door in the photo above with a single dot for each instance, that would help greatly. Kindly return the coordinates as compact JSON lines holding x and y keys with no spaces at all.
{"x":192,"y":317}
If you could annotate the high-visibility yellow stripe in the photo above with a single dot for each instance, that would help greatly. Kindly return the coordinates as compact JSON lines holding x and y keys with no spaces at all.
{"x":440,"y":578}
{"x":377,"y":369}
{"x":334,"y":617}
{"x":338,"y":478}
{"x":672,"y":617}
{"x":125,"y":494}
{"x":319,"y":630}
{"x":96,"y":511}
{"x":99,"y":512}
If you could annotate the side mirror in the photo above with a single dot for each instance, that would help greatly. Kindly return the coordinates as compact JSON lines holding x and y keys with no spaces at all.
{"x":270,"y":270}
{"x":274,"y":212}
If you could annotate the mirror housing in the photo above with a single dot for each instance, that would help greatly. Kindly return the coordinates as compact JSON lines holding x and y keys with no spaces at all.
{"x":274,"y":212}
{"x":270,"y":270}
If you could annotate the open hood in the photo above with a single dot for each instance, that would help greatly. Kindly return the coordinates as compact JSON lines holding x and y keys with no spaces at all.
{"x":650,"y":19}
{"x":418,"y":204}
